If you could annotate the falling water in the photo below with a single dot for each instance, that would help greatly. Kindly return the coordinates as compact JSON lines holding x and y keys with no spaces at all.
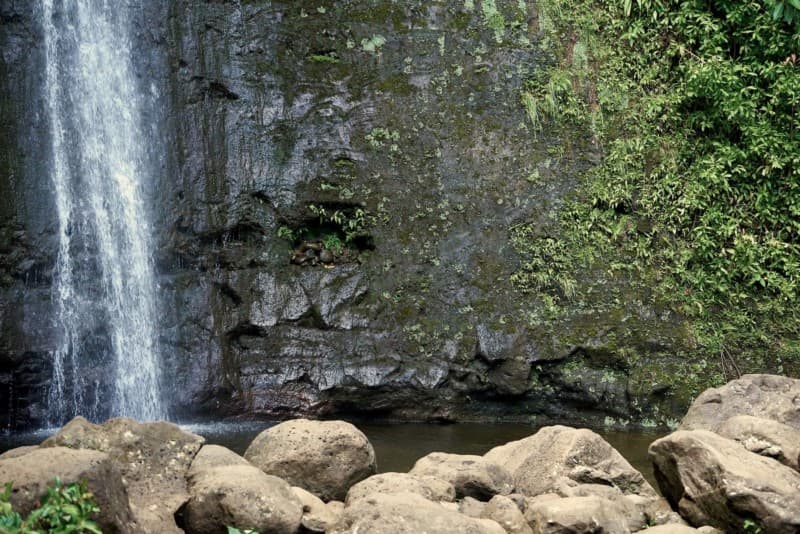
{"x":104,"y":284}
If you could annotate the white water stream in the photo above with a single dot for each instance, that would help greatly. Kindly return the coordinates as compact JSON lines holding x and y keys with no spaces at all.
{"x":104,"y":273}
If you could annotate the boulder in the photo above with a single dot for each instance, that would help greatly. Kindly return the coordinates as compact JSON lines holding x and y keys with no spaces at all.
{"x":577,"y":515}
{"x":539,"y":461}
{"x":506,"y":513}
{"x":670,"y":529}
{"x":154,"y":459}
{"x":408,"y":513}
{"x":323,"y":457}
{"x":431,"y":488}
{"x":215,"y":456}
{"x":471,"y":507}
{"x":765,"y":396}
{"x":242,"y":496}
{"x":31,"y":473}
{"x":655,"y":510}
{"x":765,"y":437}
{"x":472,"y":476}
{"x":317,"y":516}
{"x":19,"y":451}
{"x":714,"y":481}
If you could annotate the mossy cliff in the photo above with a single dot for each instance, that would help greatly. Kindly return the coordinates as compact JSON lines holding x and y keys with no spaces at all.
{"x":441,"y":145}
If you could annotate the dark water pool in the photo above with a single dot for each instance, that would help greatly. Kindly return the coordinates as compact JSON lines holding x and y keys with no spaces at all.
{"x":398,"y":446}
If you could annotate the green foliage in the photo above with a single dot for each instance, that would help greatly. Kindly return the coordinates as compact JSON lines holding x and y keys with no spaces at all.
{"x":751,"y":527}
{"x":234,"y":530}
{"x":64,"y":510}
{"x":329,"y":58}
{"x":353,"y":222}
{"x":333,"y":242}
{"x":284,"y":232}
{"x":695,"y":105}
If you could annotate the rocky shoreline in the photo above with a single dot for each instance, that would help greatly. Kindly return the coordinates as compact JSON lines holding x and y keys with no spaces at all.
{"x":732,"y":466}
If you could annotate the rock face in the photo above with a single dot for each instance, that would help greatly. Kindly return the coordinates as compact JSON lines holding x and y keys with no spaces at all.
{"x":154,"y":459}
{"x":31,"y":473}
{"x":471,"y":476}
{"x":401,"y":117}
{"x":715,"y":481}
{"x":240,"y":495}
{"x":539,"y":462}
{"x":407,"y":513}
{"x":765,"y":396}
{"x":323,"y":457}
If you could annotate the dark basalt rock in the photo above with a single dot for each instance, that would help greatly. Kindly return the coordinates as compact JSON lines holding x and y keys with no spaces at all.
{"x":407,"y":110}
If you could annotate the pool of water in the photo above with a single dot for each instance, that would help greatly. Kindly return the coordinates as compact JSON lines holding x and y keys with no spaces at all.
{"x":398,"y":446}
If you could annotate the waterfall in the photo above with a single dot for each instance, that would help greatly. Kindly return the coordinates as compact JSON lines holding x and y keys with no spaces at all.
{"x":104,"y":287}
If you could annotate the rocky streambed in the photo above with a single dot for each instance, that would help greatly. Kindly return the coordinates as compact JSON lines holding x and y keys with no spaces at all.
{"x":732,"y":466}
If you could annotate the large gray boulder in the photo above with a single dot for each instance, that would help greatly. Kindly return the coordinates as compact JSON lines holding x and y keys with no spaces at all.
{"x":765,"y":396}
{"x":323,"y":457}
{"x":471,"y":476}
{"x":538,"y":462}
{"x":715,"y":481}
{"x":408,"y":513}
{"x":583,"y":515}
{"x":656,"y":511}
{"x":765,"y":437}
{"x":31,"y":473}
{"x":214,"y":456}
{"x":154,"y":459}
{"x":431,"y":488}
{"x":507,"y":514}
{"x":242,"y":496}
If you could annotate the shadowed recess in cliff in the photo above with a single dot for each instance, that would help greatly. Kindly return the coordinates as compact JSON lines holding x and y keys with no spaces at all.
{"x":107,"y":360}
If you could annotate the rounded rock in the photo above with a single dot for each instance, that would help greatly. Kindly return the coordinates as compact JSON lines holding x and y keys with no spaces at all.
{"x":323,"y":457}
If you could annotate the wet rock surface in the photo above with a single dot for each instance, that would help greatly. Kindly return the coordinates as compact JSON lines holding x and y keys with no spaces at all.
{"x":408,"y":111}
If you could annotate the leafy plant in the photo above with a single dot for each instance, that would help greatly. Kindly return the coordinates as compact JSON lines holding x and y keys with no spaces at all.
{"x":697,"y":199}
{"x":333,"y":242}
{"x":353,"y":222}
{"x":284,"y":232}
{"x":234,"y":530}
{"x":751,"y":527}
{"x":64,"y":510}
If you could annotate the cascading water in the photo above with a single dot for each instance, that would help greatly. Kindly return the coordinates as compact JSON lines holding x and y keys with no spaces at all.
{"x":104,"y":282}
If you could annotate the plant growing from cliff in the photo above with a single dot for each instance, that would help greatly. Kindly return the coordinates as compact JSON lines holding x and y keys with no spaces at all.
{"x":333,"y":242}
{"x":284,"y":232}
{"x":353,"y":222}
{"x":697,"y":199}
{"x":64,"y":509}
